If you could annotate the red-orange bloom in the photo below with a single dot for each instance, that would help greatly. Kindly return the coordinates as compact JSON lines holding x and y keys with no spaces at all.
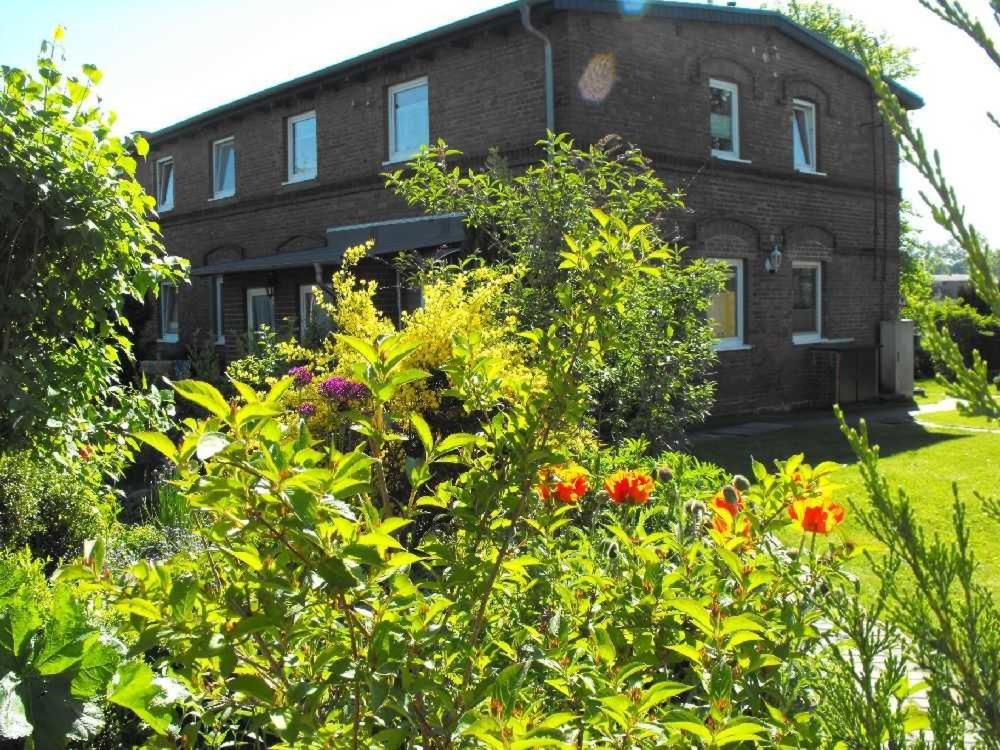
{"x":567,"y":484}
{"x":816,"y":515}
{"x":726,"y":511}
{"x":629,"y":487}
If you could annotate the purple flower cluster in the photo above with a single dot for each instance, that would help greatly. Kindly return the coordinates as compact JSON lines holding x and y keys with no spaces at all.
{"x":302,"y":376}
{"x":342,"y":389}
{"x":306,"y":409}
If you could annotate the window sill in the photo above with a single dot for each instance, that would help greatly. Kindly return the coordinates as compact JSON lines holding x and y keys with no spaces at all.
{"x":810,"y":172}
{"x":221,"y":341}
{"x":297,"y":180}
{"x":170,"y":338}
{"x":733,"y":347}
{"x":400,"y":159}
{"x":164,"y":210}
{"x":227,"y":196}
{"x":729,"y":157}
{"x":813,"y":340}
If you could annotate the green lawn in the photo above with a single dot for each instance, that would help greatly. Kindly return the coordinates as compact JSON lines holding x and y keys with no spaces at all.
{"x":954,"y":419}
{"x":925,"y":460}
{"x":934,"y":391}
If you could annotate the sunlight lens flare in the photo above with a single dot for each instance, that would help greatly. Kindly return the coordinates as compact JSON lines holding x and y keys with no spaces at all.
{"x":598,"y":78}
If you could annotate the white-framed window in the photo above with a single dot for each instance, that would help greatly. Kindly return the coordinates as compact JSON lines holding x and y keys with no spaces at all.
{"x":409,"y":119}
{"x":165,"y":184}
{"x":724,"y":119}
{"x":314,"y":322}
{"x":302,"y":147}
{"x":224,"y":167}
{"x":260,"y":310}
{"x":804,"y":135}
{"x":218,"y":319}
{"x":725,"y":311}
{"x":807,"y":301}
{"x":169,"y":320}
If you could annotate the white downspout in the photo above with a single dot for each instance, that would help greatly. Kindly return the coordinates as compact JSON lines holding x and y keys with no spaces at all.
{"x":550,"y":104}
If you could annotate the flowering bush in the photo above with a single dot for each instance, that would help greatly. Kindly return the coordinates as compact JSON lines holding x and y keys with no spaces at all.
{"x":500,"y":597}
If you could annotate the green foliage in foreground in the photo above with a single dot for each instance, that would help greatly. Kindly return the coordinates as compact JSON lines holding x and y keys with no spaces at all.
{"x":75,"y":243}
{"x":58,"y":670}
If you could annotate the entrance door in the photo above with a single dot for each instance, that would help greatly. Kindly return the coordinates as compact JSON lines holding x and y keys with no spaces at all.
{"x":260,"y":310}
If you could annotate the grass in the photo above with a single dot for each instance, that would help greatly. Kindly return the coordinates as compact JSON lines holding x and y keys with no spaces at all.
{"x":954,"y":419}
{"x":933,"y":391}
{"x":923,"y":460}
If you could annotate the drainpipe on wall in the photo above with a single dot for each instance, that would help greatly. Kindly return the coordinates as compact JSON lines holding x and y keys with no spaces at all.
{"x":550,"y":105}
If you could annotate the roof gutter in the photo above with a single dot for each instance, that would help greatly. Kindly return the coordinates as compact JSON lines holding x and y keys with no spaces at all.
{"x":550,"y":104}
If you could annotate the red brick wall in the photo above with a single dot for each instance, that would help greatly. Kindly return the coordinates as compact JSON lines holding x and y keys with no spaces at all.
{"x":643,"y":78}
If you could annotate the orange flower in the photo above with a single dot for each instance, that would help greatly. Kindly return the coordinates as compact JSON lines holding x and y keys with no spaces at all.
{"x":727,"y":505}
{"x":567,"y":484}
{"x":818,"y":515}
{"x":629,"y":487}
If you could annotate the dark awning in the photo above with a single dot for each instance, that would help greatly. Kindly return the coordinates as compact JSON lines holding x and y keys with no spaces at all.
{"x":390,"y":236}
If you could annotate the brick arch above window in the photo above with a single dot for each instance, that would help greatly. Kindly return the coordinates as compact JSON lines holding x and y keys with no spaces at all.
{"x":299,"y":242}
{"x":809,"y":242}
{"x":728,"y":238}
{"x":224,"y":253}
{"x":700,"y":69}
{"x":798,"y":87}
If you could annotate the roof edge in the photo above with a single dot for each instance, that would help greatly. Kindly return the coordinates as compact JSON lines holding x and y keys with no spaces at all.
{"x":661,"y":8}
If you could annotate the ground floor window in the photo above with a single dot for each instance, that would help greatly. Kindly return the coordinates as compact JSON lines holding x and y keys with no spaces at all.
{"x":216,"y":311}
{"x":169,"y":322}
{"x":260,"y":310}
{"x":807,"y":305}
{"x":726,"y":308}
{"x":314,"y":322}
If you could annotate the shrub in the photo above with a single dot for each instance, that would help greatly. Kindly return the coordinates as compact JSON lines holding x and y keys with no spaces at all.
{"x":60,"y":671}
{"x":78,"y":240}
{"x":263,"y":361}
{"x":48,"y":507}
{"x":499,"y":597}
{"x":656,"y":380}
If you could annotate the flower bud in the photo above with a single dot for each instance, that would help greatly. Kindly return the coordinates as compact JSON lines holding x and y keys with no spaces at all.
{"x":741,"y":483}
{"x":694,"y":508}
{"x":664,"y":474}
{"x":729,"y":492}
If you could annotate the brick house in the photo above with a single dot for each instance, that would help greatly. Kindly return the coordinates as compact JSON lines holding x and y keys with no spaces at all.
{"x":791,"y":178}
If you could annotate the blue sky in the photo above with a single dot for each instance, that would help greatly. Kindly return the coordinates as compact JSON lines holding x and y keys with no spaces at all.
{"x":164,"y":61}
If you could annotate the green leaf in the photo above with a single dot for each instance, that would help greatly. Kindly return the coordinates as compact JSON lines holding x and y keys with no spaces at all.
{"x":159,"y":442}
{"x":249,"y":394}
{"x":98,"y":666}
{"x":363,"y":348}
{"x":455,"y":441}
{"x":741,"y":730}
{"x":253,"y":686}
{"x":257,"y":411}
{"x":211,"y":443}
{"x":17,"y":625}
{"x":423,"y":432}
{"x":92,"y":73}
{"x":278,"y":389}
{"x":204,"y":394}
{"x":134,"y":687}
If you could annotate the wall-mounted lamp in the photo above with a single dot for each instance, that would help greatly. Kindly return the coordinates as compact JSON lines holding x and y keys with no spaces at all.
{"x":772,"y":262}
{"x":272,"y":281}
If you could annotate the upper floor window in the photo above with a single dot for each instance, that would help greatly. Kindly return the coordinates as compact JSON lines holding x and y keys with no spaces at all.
{"x":807,"y":305}
{"x":169,"y":320}
{"x":725,"y":311}
{"x":165,"y":184}
{"x":223,"y":168}
{"x":724,"y":122}
{"x":804,"y":135}
{"x":409,"y":121}
{"x":302,"y":147}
